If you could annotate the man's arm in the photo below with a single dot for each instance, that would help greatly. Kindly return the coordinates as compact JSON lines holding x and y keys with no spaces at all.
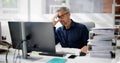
{"x":54,"y":22}
{"x":56,"y":36}
{"x":85,"y":37}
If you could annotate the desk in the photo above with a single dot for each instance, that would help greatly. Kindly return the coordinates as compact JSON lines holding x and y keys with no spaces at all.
{"x":34,"y":58}
{"x":117,"y":59}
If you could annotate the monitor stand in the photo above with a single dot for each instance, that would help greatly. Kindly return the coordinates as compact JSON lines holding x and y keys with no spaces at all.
{"x":24,"y":47}
{"x":53,"y":54}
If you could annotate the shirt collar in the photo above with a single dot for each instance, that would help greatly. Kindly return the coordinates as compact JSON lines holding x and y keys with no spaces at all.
{"x":72,"y":25}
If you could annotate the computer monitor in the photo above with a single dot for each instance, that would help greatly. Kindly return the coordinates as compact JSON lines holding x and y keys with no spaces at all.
{"x":0,"y":33}
{"x":42,"y":37}
{"x":39,"y":36}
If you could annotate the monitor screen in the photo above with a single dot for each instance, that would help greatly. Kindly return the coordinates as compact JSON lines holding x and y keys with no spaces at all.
{"x":39,"y":35}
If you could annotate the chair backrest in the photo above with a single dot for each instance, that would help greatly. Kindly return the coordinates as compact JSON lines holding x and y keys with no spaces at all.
{"x":89,"y":25}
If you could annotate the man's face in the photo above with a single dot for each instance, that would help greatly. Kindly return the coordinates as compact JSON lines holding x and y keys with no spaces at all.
{"x":63,"y":17}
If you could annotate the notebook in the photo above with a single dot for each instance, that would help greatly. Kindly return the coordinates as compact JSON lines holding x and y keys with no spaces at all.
{"x":57,"y":60}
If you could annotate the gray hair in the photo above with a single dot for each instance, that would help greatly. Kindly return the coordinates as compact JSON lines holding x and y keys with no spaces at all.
{"x":63,"y":8}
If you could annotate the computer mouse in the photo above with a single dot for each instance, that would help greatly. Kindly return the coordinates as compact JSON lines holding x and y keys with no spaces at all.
{"x":72,"y":56}
{"x":82,"y":54}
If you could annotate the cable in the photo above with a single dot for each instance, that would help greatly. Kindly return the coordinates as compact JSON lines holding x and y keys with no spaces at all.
{"x":16,"y":50}
{"x":28,"y":37}
{"x":20,"y":57}
{"x":7,"y":53}
{"x":14,"y":61}
{"x":17,"y":56}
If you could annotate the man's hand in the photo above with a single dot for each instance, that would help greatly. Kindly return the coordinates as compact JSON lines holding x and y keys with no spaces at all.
{"x":55,"y":20}
{"x":84,"y":49}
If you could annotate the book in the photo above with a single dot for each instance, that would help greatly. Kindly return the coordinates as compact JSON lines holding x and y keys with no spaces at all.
{"x":57,"y":60}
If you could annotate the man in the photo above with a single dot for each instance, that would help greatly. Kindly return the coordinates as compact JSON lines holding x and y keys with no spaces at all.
{"x":71,"y":34}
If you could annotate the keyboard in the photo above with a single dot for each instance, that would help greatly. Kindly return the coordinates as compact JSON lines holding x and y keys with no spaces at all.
{"x":53,"y":54}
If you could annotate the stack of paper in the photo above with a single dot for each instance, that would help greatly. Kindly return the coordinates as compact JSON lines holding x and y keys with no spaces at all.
{"x":102,"y":43}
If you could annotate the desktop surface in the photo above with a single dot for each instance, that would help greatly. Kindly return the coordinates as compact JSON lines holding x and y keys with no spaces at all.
{"x":36,"y":58}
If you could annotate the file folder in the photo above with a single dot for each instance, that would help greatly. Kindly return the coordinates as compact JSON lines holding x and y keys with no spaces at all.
{"x":57,"y":60}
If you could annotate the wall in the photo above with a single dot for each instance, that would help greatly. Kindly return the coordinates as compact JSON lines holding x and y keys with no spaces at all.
{"x":100,"y":19}
{"x":107,"y":7}
{"x":33,"y":10}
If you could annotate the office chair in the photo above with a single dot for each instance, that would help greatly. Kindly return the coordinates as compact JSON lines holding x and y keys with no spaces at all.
{"x":89,"y":25}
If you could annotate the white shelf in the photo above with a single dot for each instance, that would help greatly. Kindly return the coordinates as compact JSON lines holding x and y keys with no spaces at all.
{"x":118,"y":35}
{"x":117,"y":14}
{"x":117,"y":25}
{"x":117,"y":5}
{"x":116,"y":21}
